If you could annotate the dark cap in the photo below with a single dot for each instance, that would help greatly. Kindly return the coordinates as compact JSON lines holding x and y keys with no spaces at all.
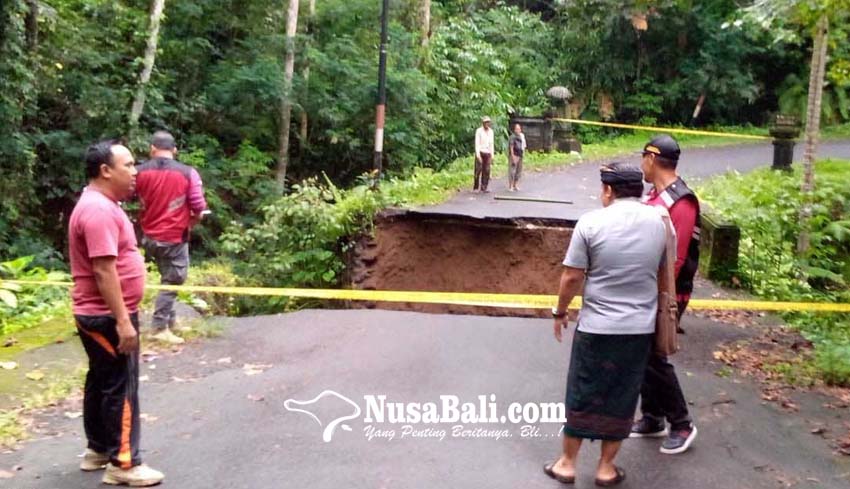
{"x":618,"y":173}
{"x":664,"y":146}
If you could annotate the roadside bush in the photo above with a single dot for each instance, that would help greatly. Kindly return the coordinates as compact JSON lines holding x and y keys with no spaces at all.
{"x":23,"y":307}
{"x":764,"y":204}
{"x":302,"y":237}
{"x":214,"y":273}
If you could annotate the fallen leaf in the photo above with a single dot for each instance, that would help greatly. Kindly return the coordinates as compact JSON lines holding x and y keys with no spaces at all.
{"x":256,"y":398}
{"x":10,"y":342}
{"x":223,"y":360}
{"x":813,"y":479}
{"x":73,"y":414}
{"x":35,"y":375}
{"x":149,"y":353}
{"x":254,"y":369}
{"x":8,"y":365}
{"x":818,"y":431}
{"x":5,"y":474}
{"x":147,"y":417}
{"x":724,"y":401}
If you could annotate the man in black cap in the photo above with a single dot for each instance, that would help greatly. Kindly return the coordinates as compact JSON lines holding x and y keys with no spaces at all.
{"x":661,"y":394}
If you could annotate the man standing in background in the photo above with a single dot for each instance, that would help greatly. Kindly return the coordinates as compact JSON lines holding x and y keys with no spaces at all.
{"x":516,"y":149}
{"x":484,"y":148}
{"x":172,"y":197}
{"x":109,"y":282}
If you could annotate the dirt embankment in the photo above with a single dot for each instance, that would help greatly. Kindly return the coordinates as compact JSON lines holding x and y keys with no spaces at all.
{"x":442,"y":254}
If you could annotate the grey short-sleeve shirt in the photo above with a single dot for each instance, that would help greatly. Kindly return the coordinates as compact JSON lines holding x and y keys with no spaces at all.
{"x":620,"y":247}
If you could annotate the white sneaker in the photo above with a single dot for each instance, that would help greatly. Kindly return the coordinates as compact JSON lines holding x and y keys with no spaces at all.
{"x":138,"y":476}
{"x":166,"y":336}
{"x":93,"y":460}
{"x":181,"y":326}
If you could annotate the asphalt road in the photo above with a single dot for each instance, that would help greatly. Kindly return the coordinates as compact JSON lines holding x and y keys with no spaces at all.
{"x":212,"y":422}
{"x":580,"y":183}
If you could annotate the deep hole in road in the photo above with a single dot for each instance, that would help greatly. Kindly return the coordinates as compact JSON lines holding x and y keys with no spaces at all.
{"x":449,"y":253}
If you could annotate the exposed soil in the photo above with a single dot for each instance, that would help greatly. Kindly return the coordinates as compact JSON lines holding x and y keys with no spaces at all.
{"x":415,"y":252}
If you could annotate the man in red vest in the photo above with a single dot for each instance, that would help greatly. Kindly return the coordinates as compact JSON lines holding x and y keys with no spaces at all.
{"x":661,"y":394}
{"x":172,"y":197}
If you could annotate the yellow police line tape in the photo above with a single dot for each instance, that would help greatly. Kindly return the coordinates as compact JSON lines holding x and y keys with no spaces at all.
{"x":664,"y":129}
{"x":510,"y":301}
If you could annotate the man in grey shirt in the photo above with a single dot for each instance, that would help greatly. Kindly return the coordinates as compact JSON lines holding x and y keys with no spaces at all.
{"x":618,"y":247}
{"x":615,"y":252}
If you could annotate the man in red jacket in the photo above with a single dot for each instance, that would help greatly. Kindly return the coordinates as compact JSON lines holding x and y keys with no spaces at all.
{"x":661,"y":394}
{"x":172,"y":197}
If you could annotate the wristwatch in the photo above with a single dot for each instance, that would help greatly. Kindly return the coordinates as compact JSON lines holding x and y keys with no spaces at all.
{"x":558,"y":315}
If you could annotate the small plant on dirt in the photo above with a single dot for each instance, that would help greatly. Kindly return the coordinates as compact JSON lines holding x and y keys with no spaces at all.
{"x":831,"y":362}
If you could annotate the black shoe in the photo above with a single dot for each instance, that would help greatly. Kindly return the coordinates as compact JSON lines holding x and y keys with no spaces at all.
{"x":679,"y":440}
{"x":648,"y":427}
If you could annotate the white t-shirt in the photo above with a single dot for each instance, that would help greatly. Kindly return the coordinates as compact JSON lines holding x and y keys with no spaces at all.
{"x":483,"y":141}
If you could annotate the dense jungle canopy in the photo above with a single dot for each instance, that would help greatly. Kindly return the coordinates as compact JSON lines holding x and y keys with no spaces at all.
{"x":69,"y":70}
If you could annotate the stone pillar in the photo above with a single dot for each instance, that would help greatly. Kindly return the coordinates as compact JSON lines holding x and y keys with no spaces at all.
{"x":784,"y":131}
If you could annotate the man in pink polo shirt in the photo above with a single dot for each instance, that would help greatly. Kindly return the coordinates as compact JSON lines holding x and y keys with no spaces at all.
{"x":109,"y":281}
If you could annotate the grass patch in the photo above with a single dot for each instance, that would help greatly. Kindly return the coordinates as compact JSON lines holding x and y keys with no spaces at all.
{"x":58,"y":328}
{"x":13,"y":422}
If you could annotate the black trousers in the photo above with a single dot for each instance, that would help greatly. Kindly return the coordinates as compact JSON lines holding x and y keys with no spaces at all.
{"x":482,"y":171}
{"x":660,"y":394}
{"x":111,"y":400}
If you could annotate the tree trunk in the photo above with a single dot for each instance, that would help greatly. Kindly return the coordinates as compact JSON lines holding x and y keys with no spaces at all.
{"x":32,"y":26}
{"x":157,"y":7}
{"x":302,"y":134}
{"x":286,"y":96}
{"x":425,"y":28}
{"x":813,"y":114}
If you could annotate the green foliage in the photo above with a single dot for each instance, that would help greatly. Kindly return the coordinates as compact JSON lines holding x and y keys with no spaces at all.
{"x":831,"y":361}
{"x":213,"y":273}
{"x":24,"y":306}
{"x":764,"y":205}
{"x":302,"y":236}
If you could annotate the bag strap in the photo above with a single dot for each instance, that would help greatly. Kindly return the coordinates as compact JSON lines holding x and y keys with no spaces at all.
{"x":669,"y":268}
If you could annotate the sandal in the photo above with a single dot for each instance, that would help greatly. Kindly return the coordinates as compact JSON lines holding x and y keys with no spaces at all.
{"x":620,"y":477}
{"x":548,"y":470}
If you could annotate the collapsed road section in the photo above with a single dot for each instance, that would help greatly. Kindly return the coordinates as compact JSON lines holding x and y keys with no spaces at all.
{"x":422,"y":251}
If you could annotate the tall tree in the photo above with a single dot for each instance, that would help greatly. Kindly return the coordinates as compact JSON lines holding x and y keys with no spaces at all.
{"x":32,"y":25}
{"x":425,"y":26}
{"x":286,"y":96}
{"x":813,"y":115}
{"x":311,"y":14}
{"x":157,"y":8}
